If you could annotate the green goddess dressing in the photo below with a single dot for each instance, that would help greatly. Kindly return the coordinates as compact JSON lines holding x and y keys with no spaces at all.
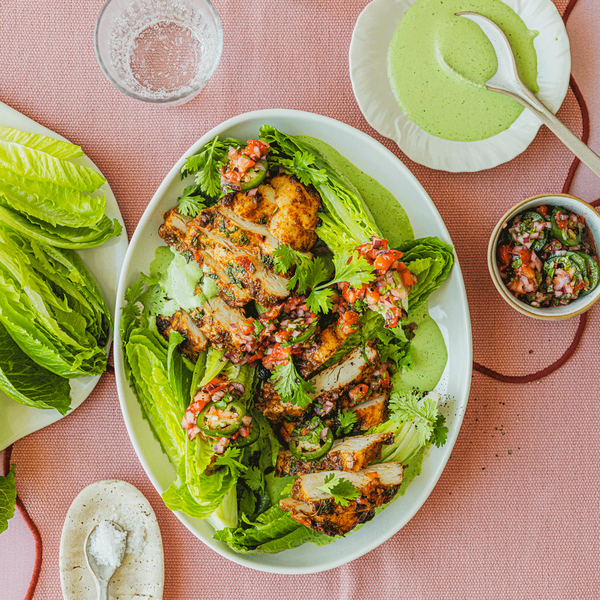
{"x":438,"y":64}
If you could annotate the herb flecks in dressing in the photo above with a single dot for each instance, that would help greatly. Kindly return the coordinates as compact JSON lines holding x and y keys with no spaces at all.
{"x":429,"y":349}
{"x":438,"y":64}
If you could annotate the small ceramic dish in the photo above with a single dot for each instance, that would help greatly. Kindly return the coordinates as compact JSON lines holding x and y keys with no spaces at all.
{"x":368,"y":72}
{"x":558,"y":313}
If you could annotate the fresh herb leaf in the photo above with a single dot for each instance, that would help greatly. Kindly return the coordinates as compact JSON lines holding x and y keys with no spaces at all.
{"x":290,"y":386}
{"x":347,"y":420}
{"x":230,"y":459}
{"x":440,"y":432}
{"x":412,"y":406}
{"x":8,"y":497}
{"x":342,"y":490}
{"x":255,"y":479}
{"x":206,"y":165}
{"x":191,"y":203}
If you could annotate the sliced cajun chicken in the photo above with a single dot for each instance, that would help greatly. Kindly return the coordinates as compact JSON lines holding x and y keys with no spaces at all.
{"x":195,"y":341}
{"x":174,"y":230}
{"x":371,"y":412}
{"x":347,"y":454}
{"x":376,"y":485}
{"x":325,"y":344}
{"x":330,"y":383}
{"x":211,"y":324}
{"x":228,"y":254}
{"x":222,"y":324}
{"x":255,"y":240}
{"x":352,"y":369}
{"x":270,"y":404}
{"x":332,"y":525}
{"x":283,"y":207}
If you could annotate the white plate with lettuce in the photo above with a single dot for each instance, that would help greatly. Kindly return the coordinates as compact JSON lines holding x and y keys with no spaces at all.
{"x":449,"y":327}
{"x":104,"y":262}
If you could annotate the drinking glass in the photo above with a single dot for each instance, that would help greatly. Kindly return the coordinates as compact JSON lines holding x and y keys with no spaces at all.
{"x":158,"y":51}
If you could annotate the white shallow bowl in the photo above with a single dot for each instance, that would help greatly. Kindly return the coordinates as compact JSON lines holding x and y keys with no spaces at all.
{"x":553,"y":313}
{"x":448,"y":306}
{"x":368,"y":71}
{"x":103,"y":261}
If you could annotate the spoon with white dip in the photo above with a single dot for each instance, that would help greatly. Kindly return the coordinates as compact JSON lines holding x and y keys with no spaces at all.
{"x":507,"y":81}
{"x":104,"y":550}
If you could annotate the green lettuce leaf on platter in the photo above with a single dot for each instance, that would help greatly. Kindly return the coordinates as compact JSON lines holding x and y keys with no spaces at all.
{"x":61,"y":236}
{"x":43,"y":143}
{"x":8,"y":497}
{"x":49,"y":198}
{"x":52,"y":307}
{"x":27,"y":383}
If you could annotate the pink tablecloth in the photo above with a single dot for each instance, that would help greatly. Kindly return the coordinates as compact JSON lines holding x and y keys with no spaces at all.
{"x":515,"y":514}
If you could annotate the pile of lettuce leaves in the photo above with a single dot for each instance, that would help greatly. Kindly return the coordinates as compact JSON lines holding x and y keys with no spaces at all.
{"x":237,"y":490}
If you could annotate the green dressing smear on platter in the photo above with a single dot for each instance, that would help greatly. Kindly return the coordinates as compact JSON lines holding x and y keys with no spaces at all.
{"x":438,"y":64}
{"x":429,"y":353}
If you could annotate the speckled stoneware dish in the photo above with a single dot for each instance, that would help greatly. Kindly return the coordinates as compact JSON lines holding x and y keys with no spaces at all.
{"x":558,"y":313}
{"x":141,"y":574}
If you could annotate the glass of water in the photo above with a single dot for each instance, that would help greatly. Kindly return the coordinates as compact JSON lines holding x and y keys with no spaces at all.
{"x":159,"y":51}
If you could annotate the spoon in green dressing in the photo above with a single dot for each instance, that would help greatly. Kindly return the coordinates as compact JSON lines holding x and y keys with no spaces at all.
{"x":507,"y":81}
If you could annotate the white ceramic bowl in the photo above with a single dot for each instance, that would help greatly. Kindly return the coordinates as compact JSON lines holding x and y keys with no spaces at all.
{"x":448,"y":306}
{"x":553,"y":313}
{"x":368,"y":72}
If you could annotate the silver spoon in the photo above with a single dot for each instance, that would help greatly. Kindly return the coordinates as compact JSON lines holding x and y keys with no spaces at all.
{"x":507,"y":81}
{"x":102,"y":573}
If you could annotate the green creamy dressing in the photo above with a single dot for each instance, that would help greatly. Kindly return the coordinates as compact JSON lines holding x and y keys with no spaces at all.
{"x":429,"y":352}
{"x":438,"y":64}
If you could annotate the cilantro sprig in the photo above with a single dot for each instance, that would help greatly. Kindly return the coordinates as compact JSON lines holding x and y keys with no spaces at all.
{"x":191,"y":203}
{"x":207,"y":163}
{"x":349,"y":267}
{"x":423,"y":411}
{"x":342,"y":490}
{"x":290,"y":386}
{"x":347,"y":420}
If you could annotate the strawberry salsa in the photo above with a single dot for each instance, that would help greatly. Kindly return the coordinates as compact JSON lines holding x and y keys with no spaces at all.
{"x":547,"y":257}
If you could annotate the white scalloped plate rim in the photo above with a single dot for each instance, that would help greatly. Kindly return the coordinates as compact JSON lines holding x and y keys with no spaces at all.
{"x":368,"y":72}
{"x":19,"y":420}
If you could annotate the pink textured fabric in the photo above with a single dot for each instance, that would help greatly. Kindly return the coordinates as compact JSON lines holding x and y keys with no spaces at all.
{"x":515,"y":514}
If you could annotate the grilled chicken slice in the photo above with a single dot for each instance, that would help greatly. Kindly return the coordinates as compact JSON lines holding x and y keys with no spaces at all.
{"x":270,"y":404}
{"x":253,"y":239}
{"x":296,"y":218}
{"x":195,"y":341}
{"x":323,"y":347}
{"x":329,"y":384}
{"x":332,"y":525}
{"x":222,"y":324}
{"x":370,"y":413}
{"x":284,"y":207}
{"x":354,"y":367}
{"x":215,"y":243}
{"x":174,"y":229}
{"x":248,"y":277}
{"x":347,"y":454}
{"x":377,"y":485}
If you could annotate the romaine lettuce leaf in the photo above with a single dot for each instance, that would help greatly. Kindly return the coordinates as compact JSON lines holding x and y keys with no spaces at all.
{"x":54,"y":204}
{"x":272,"y":532}
{"x":27,"y":383}
{"x":44,"y":143}
{"x":430,"y":260}
{"x":52,"y":307}
{"x":161,"y":407}
{"x":61,"y":236}
{"x":40,"y":166}
{"x":8,"y":497}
